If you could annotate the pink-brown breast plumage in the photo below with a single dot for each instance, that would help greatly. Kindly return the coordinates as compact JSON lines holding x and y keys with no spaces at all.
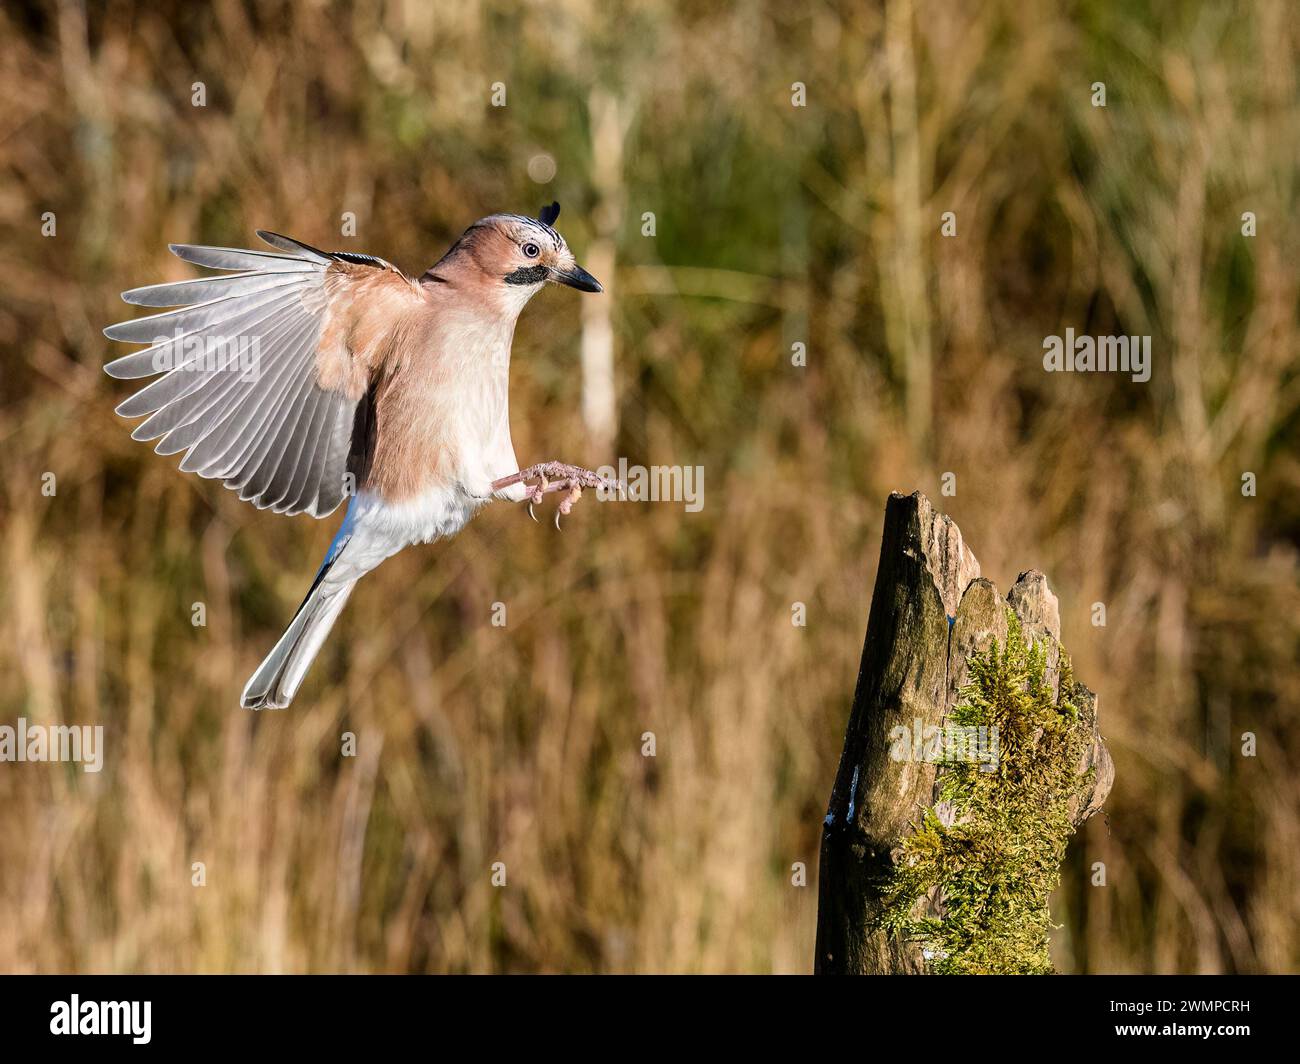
{"x":440,"y":398}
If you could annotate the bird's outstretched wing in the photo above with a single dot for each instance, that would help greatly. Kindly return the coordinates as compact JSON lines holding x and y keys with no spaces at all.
{"x":263,"y":368}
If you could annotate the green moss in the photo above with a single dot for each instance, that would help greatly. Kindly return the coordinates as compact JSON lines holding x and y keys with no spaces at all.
{"x":993,"y":870}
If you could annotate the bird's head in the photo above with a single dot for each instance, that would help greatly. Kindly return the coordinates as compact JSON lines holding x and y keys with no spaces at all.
{"x":516,"y":255}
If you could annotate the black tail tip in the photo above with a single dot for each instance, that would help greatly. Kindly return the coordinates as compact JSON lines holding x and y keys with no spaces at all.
{"x":261,"y":701}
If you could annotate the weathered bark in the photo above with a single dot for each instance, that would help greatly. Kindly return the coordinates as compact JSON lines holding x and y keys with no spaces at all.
{"x":929,"y":613}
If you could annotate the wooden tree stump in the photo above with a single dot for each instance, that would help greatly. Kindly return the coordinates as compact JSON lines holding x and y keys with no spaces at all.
{"x":931,"y":616}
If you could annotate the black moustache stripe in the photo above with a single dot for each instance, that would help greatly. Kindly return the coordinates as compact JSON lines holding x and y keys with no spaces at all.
{"x":527,"y":275}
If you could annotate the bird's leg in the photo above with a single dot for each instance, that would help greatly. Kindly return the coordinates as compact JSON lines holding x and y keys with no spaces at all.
{"x":547,"y":471}
{"x":554,"y":476}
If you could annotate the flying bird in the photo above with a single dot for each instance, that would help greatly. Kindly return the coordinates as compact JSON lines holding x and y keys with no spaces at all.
{"x":303,"y":377}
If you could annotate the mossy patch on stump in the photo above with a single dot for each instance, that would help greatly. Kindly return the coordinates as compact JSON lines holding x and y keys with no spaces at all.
{"x":972,"y":885}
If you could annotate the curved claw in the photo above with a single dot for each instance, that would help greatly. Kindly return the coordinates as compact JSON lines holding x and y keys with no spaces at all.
{"x":534,"y":496}
{"x":566,"y":504}
{"x":557,"y":521}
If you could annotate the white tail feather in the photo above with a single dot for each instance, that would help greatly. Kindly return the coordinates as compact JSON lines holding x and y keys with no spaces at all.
{"x":276,"y":680}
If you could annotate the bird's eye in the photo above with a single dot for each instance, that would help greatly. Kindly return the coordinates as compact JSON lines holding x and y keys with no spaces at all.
{"x":532,"y":250}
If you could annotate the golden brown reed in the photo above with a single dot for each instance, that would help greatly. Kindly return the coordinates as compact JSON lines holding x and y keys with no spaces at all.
{"x":775,"y":225}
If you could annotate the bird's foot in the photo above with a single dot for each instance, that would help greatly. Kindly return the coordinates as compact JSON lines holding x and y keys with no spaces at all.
{"x":546,"y":477}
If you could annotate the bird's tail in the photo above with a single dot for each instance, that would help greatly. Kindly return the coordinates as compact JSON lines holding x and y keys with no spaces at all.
{"x":276,"y":680}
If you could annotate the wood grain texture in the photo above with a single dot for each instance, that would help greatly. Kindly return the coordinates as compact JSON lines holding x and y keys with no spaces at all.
{"x":930,"y":612}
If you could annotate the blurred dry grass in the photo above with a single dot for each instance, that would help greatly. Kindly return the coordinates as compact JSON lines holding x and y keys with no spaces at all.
{"x":775,"y":224}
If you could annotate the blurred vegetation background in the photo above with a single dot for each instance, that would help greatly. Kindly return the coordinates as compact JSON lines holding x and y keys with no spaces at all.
{"x":774,"y":225}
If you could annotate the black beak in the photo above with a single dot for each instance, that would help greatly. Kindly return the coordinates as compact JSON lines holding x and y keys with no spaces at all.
{"x":577,"y":278}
